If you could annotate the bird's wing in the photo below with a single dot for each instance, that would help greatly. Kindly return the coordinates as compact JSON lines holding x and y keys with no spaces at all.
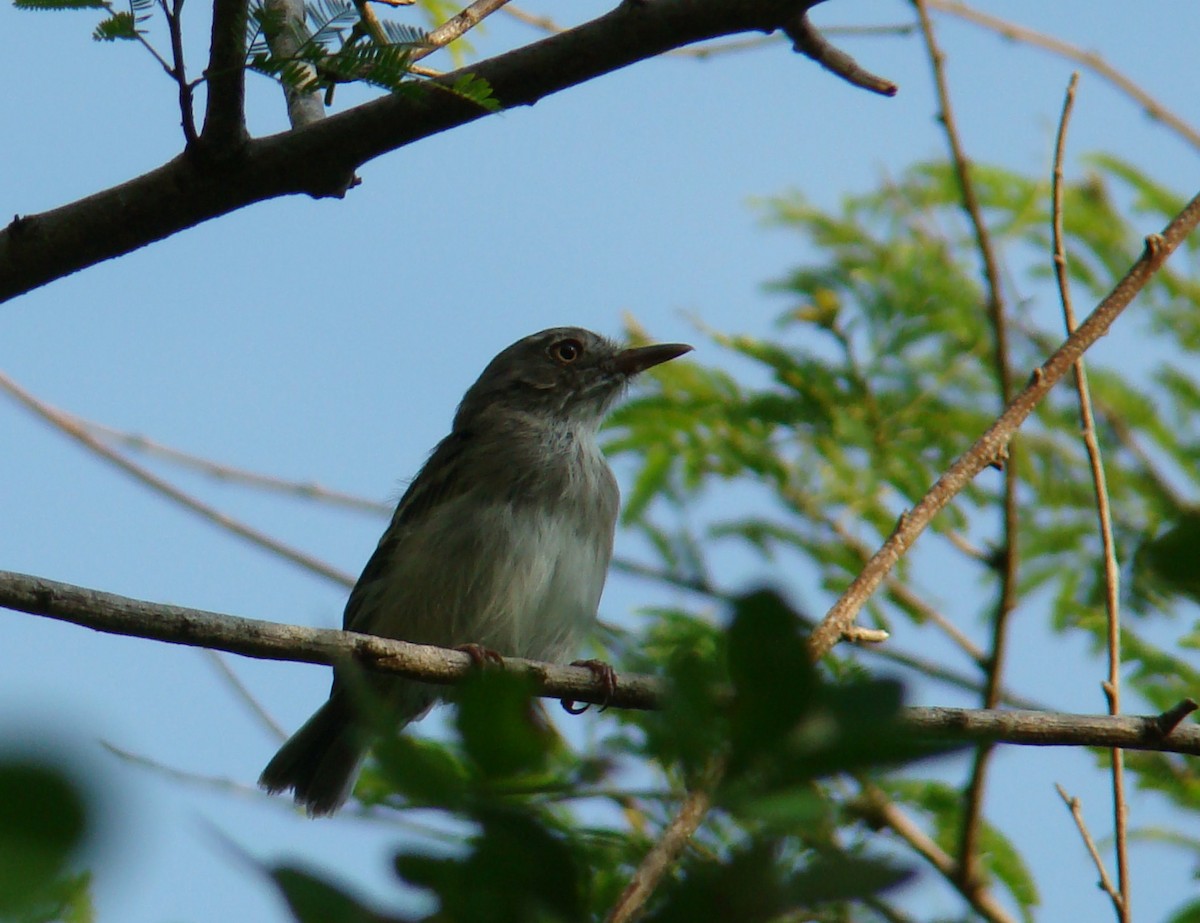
{"x":437,"y":482}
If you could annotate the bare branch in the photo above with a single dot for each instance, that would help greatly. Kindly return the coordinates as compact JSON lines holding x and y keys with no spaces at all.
{"x":1112,"y":604}
{"x":877,"y":809}
{"x":187,"y":115}
{"x":71,"y":428}
{"x":273,"y":641}
{"x":458,"y":26}
{"x":1076,"y":808}
{"x":663,"y":855}
{"x":810,"y":43}
{"x":1088,"y":59}
{"x":263,"y":640}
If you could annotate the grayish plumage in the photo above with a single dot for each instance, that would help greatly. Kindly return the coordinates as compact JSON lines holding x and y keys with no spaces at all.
{"x":502,"y":540}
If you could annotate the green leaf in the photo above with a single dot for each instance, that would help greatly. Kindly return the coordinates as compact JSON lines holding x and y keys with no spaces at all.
{"x":758,"y":883}
{"x":314,"y":899}
{"x":119,"y":26}
{"x":43,"y":820}
{"x":1170,"y":562}
{"x":516,"y":870}
{"x":424,"y":772}
{"x":773,"y":678}
{"x":477,"y":90}
{"x":500,"y":732}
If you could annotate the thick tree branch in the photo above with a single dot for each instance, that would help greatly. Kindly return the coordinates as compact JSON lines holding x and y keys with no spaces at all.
{"x":320,"y":159}
{"x":275,"y":641}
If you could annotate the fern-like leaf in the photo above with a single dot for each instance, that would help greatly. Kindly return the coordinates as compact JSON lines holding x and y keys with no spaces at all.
{"x":118,"y":26}
{"x":383,"y":66}
{"x":401,"y":34}
{"x":477,"y":90}
{"x":329,"y":19}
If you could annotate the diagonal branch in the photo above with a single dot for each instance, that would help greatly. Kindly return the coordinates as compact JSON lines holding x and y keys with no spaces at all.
{"x":76,"y":431}
{"x":321,"y":159}
{"x":992,"y":443}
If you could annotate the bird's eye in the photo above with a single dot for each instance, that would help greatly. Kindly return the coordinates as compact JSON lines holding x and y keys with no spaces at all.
{"x":566,"y":351}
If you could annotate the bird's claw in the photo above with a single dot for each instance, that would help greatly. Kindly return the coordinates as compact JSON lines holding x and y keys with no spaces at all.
{"x":607,"y":677}
{"x":481,"y":656}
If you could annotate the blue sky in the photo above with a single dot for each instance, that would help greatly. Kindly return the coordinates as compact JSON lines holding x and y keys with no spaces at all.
{"x":330,"y":341}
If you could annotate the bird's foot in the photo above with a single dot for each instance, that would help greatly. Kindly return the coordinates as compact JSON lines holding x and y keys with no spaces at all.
{"x":481,"y":656}
{"x":607,"y":677}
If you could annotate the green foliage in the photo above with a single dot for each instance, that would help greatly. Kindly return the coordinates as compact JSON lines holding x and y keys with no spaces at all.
{"x":44,"y":819}
{"x":118,"y":26}
{"x":505,"y":786}
{"x":476,"y":90}
{"x":878,"y":374}
{"x":314,"y":899}
{"x":332,"y":47}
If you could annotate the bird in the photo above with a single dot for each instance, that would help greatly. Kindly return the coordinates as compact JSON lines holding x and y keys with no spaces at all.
{"x":500,"y":545}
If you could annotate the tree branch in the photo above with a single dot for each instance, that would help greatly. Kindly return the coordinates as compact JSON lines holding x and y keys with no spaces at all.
{"x":320,"y":159}
{"x":224,"y":131}
{"x":263,"y":640}
{"x":304,"y":107}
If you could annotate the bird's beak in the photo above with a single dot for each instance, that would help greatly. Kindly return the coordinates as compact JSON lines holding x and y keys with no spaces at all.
{"x":639,"y":358}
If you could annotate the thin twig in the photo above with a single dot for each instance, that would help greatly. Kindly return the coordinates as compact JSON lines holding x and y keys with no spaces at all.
{"x":1076,"y":809}
{"x":306,"y":489}
{"x":179,"y":71}
{"x":66,"y":425}
{"x":1112,"y":687}
{"x":877,"y":809}
{"x":808,"y":41}
{"x":247,"y":697}
{"x":663,"y":855}
{"x":906,"y":597}
{"x":550,"y":26}
{"x":456,"y":27}
{"x":1089,"y":59}
{"x":972,"y":813}
{"x":1169,"y":720}
{"x":142,"y":40}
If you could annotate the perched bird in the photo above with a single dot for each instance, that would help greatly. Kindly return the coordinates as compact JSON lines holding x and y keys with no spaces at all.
{"x":500,"y":544}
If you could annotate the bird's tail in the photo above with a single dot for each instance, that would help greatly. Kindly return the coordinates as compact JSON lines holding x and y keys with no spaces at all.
{"x":320,"y":761}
